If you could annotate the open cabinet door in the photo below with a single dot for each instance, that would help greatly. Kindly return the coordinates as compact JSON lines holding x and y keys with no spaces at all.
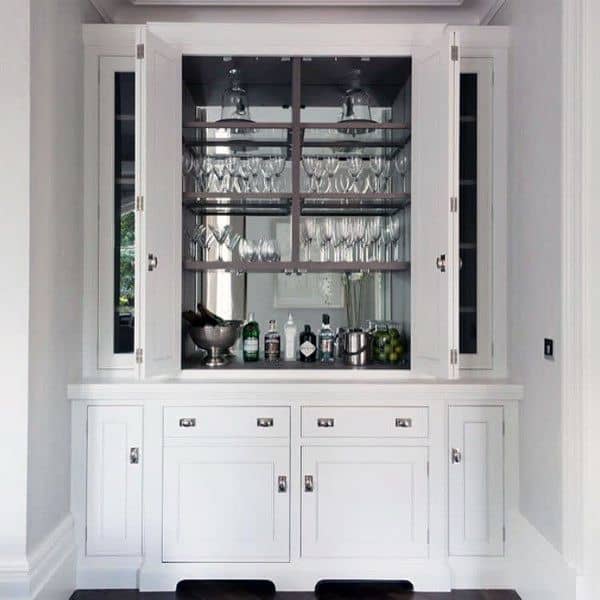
{"x":158,"y":189}
{"x":434,"y":207}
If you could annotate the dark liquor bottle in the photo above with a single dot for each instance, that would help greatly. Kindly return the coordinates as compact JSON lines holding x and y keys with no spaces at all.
{"x":272,"y":343}
{"x":250,"y":340}
{"x":308,"y":345}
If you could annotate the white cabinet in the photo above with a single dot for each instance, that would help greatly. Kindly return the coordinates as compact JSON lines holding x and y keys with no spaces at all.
{"x":114,"y":481}
{"x":226,"y":504}
{"x":476,"y":503}
{"x":364,"y":502}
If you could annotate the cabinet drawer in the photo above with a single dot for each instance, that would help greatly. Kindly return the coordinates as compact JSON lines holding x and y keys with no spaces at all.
{"x":223,"y":421}
{"x":351,"y":421}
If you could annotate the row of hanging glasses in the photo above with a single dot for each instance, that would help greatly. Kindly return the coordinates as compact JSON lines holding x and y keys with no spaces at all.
{"x":356,"y":239}
{"x":202,"y":238}
{"x":227,"y":174}
{"x":356,"y":174}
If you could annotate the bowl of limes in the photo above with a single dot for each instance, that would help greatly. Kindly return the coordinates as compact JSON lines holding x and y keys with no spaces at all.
{"x":387,"y":345}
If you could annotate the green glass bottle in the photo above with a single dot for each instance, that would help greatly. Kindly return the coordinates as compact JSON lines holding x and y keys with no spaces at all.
{"x":250,"y":339}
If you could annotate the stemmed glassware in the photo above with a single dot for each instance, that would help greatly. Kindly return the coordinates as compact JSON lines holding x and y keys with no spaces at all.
{"x":200,"y":237}
{"x":221,"y":234}
{"x":309,"y":232}
{"x":326,"y":235}
{"x":355,"y":166}
{"x":402,"y":166}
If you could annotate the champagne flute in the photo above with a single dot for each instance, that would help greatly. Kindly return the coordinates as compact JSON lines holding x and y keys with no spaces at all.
{"x":221,"y":233}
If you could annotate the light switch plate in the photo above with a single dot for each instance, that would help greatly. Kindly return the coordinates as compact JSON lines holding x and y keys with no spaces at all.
{"x":549,"y":349}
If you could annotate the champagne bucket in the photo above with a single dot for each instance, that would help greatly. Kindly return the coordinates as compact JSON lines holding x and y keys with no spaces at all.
{"x":356,"y":347}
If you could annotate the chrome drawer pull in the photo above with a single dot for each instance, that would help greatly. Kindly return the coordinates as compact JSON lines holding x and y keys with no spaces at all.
{"x":282,"y":484}
{"x":404,"y":423}
{"x":264,"y":422}
{"x":325,"y":422}
{"x":134,"y":456}
{"x":187,"y":422}
{"x":309,"y":484}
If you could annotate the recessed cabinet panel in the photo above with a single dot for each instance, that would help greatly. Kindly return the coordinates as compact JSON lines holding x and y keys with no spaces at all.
{"x":114,"y":481}
{"x":158,"y":249}
{"x":476,"y":481}
{"x":226,"y":504}
{"x":435,"y":258}
{"x":364,"y":502}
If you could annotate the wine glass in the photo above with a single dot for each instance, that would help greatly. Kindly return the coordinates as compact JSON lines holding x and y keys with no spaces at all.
{"x":342,"y":233}
{"x":187,"y":161}
{"x":232,"y":166}
{"x":326,"y":233}
{"x":343,"y":182}
{"x":267,"y":170}
{"x":232,"y":240}
{"x":245,"y":172}
{"x":220,"y":171}
{"x":402,"y":166}
{"x":374,"y":231}
{"x":331,"y":164}
{"x":309,"y":232}
{"x":359,"y":230}
{"x":377,"y":164}
{"x":355,"y":166}
{"x":201,"y":237}
{"x":248,"y":250}
{"x":221,"y":233}
{"x":278,"y":169}
{"x":318,"y":175}
{"x":309,"y":163}
{"x":394,"y":231}
{"x":254,"y":163}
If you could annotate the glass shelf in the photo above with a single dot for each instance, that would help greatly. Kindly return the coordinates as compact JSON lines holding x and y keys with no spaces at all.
{"x":297,"y":267}
{"x":248,"y":204}
{"x":349,"y":205}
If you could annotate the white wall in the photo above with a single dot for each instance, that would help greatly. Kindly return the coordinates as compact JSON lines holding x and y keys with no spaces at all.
{"x":470,"y":13}
{"x":14,"y":284}
{"x":56,"y":253}
{"x":535,"y":251}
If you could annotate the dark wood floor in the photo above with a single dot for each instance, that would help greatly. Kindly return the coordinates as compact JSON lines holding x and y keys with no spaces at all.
{"x":455,"y":595}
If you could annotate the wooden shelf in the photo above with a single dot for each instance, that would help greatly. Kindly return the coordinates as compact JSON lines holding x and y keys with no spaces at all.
{"x":295,"y":267}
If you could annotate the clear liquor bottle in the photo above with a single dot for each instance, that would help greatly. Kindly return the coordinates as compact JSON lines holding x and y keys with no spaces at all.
{"x":326,"y":341}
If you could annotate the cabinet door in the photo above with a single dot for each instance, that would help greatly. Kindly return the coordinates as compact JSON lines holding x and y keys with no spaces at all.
{"x":158,"y":182}
{"x":434,"y":285}
{"x":226,"y":504}
{"x":364,"y":502}
{"x":114,"y":481}
{"x":476,"y":487}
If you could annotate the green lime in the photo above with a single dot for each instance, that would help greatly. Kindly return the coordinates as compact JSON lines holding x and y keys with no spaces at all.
{"x":387,"y":348}
{"x":394,"y":357}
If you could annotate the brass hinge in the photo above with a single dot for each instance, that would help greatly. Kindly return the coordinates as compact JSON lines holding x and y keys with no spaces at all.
{"x":139,"y":356}
{"x":139,"y":203}
{"x":454,"y":53}
{"x":454,"y":356}
{"x":139,"y":51}
{"x":454,"y":204}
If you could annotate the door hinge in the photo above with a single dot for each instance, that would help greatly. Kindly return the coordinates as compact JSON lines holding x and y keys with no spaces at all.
{"x":139,"y":356}
{"x":504,"y":533}
{"x":139,"y":50}
{"x":139,"y":203}
{"x":454,"y":53}
{"x":454,"y":204}
{"x":454,"y":356}
{"x":503,"y":428}
{"x":427,"y":468}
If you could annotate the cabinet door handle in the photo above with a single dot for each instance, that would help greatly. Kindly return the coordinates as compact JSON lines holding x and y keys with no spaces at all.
{"x":282,"y":484}
{"x":187,"y":422}
{"x":440,"y":263}
{"x":456,"y":456}
{"x":404,"y":423}
{"x":134,"y":456}
{"x":152,"y":262}
{"x":309,"y":484}
{"x":264,"y":422}
{"x":325,"y":422}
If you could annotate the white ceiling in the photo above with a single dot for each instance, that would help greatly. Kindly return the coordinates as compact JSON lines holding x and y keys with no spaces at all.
{"x":456,"y":12}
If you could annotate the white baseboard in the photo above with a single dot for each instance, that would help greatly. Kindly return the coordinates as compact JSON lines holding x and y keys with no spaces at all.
{"x":539,"y":571}
{"x":48,"y":573}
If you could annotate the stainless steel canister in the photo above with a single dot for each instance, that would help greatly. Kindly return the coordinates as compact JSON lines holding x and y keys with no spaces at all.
{"x":356,"y":347}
